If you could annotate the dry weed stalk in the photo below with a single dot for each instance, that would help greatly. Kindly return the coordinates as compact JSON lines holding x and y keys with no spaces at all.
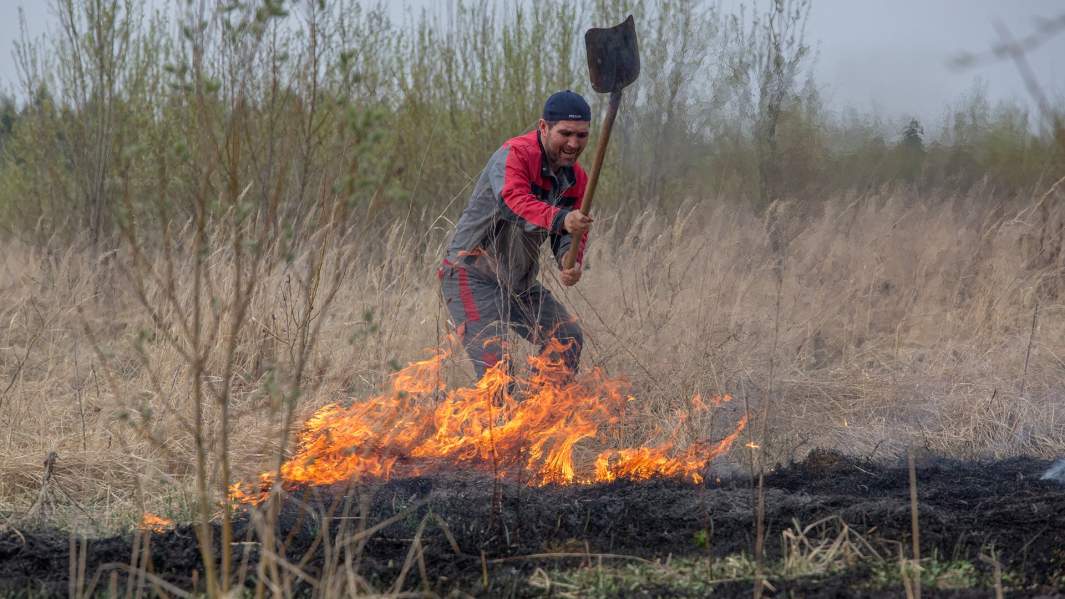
{"x":805,"y":553}
{"x":778,"y":252}
{"x":43,"y":507}
{"x":915,"y":528}
{"x":996,"y":571}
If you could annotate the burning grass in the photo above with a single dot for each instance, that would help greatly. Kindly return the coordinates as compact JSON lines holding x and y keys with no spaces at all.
{"x":155,"y":523}
{"x":523,"y":428}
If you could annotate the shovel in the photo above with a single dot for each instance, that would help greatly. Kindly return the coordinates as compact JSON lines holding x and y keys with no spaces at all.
{"x":613,"y":63}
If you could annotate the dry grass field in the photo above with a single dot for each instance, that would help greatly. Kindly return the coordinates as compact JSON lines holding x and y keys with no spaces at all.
{"x":220,"y":221}
{"x":867,"y":324}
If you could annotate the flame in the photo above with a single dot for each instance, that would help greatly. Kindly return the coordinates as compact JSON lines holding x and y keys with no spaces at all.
{"x":540,"y":429}
{"x":153,"y":523}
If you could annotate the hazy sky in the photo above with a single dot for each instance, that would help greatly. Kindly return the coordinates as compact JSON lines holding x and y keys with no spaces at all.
{"x":889,"y":55}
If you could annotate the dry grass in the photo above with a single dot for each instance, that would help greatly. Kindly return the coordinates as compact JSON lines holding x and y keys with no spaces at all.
{"x":903,"y":320}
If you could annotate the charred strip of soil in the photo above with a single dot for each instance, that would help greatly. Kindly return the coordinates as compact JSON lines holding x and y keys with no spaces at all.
{"x":965,"y":508}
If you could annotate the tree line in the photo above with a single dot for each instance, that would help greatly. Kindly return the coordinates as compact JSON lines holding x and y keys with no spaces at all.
{"x":125,"y":115}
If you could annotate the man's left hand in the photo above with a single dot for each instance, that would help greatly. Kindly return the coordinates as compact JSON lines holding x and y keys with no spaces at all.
{"x":570,"y":276}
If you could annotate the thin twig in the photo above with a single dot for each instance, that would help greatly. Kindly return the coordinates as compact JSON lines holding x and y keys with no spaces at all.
{"x":915,"y":530}
{"x":585,"y":556}
{"x":25,"y":356}
{"x":1031,"y":337}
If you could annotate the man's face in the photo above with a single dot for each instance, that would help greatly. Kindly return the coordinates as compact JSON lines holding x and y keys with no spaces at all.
{"x":564,"y":142}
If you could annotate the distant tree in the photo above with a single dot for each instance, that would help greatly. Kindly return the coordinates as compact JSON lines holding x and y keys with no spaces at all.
{"x":8,"y":116}
{"x":765,"y":64}
{"x":913,"y":137}
{"x":911,"y":151}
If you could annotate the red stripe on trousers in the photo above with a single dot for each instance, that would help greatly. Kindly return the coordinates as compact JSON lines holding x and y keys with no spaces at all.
{"x":467,"y":296}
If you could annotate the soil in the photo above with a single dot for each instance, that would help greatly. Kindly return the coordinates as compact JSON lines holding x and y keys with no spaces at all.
{"x":966,"y":508}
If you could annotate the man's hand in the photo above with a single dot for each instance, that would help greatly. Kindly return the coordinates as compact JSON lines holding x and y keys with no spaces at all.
{"x":576,"y":224}
{"x":570,"y":276}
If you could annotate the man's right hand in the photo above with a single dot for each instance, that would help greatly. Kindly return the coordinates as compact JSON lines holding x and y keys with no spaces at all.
{"x":577,"y":223}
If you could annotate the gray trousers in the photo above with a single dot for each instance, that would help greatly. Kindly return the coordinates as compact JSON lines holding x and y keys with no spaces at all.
{"x":481,"y":310}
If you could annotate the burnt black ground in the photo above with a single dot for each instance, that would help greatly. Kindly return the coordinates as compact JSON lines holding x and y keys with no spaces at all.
{"x":965,"y":508}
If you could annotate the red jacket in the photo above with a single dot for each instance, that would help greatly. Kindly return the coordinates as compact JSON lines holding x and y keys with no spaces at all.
{"x":516,"y":205}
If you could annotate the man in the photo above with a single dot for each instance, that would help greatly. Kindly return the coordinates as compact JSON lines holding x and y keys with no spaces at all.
{"x":528,"y":193}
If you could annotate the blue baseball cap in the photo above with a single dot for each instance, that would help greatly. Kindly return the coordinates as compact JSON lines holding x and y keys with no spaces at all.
{"x":567,"y":105}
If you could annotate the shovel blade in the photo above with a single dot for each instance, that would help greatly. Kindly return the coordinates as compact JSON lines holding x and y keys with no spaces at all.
{"x":613,"y":56}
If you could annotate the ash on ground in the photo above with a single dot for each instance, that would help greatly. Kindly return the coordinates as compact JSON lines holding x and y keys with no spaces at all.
{"x":470,"y":522}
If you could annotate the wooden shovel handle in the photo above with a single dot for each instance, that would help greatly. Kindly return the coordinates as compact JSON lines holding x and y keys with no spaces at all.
{"x":600,"y":152}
